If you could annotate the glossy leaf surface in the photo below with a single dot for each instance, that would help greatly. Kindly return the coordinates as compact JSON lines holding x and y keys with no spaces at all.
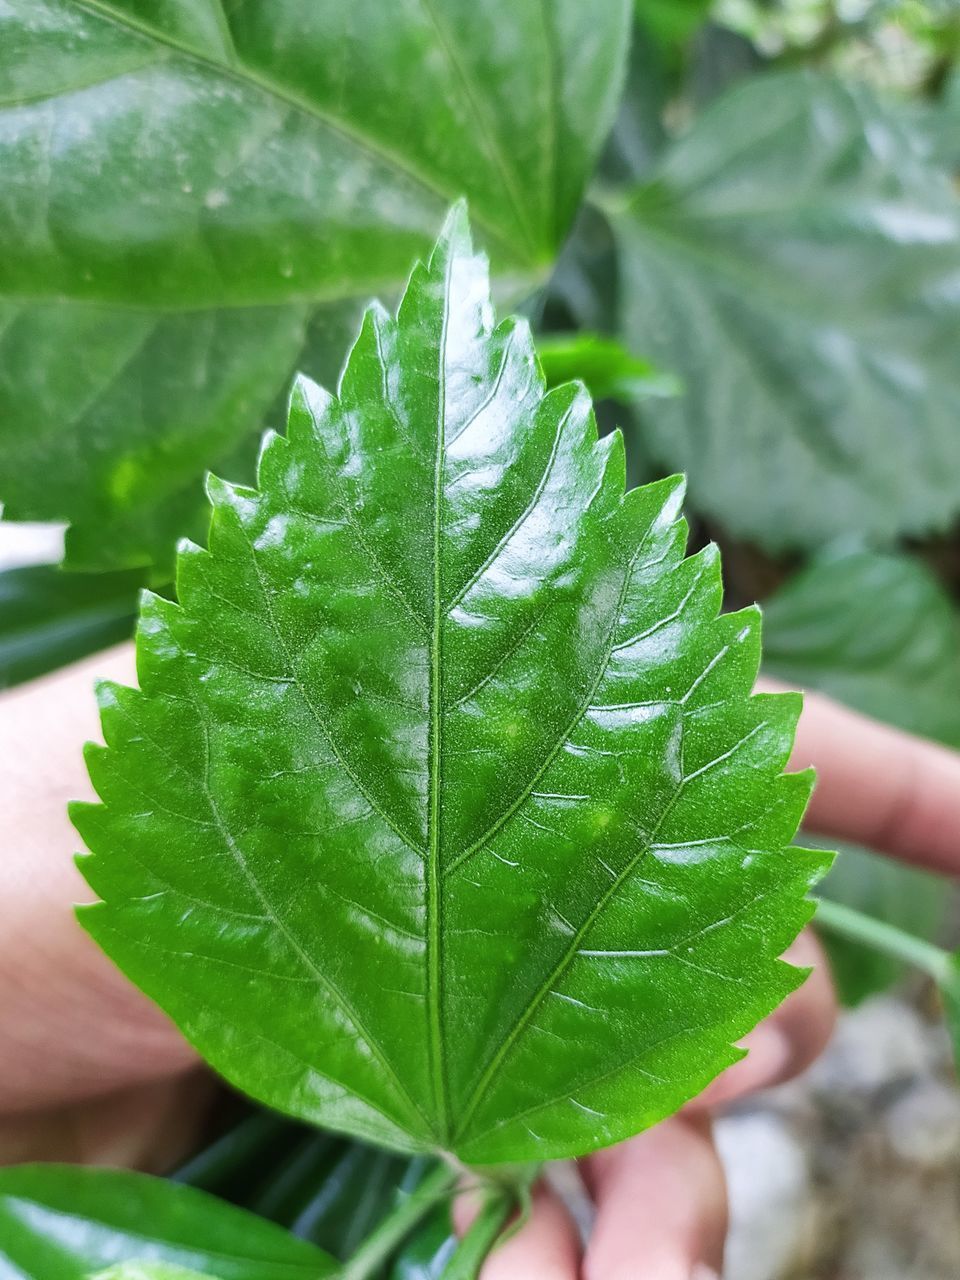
{"x":445,"y":817}
{"x":67,"y":1222}
{"x":878,"y":632}
{"x":792,"y":259}
{"x":187,"y":192}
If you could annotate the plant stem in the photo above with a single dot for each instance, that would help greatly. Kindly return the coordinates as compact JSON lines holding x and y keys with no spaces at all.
{"x":887,"y":938}
{"x":395,"y":1228}
{"x":483,"y":1234}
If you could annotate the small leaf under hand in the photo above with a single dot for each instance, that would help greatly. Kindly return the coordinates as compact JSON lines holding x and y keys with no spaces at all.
{"x":58,"y":1222}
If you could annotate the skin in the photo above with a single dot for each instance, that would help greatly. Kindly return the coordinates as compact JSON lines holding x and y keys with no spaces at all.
{"x":91,"y":1072}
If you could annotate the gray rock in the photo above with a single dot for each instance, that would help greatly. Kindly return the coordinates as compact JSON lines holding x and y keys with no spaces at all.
{"x":772,"y":1204}
{"x":923,"y":1125}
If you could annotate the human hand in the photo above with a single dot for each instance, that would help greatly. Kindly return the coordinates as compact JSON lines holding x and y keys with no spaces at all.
{"x":90,"y":1071}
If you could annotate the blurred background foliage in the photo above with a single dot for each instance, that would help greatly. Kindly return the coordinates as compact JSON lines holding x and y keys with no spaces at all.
{"x":737,"y":221}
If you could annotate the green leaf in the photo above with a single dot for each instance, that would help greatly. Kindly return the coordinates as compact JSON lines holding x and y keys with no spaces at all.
{"x":329,"y":1190}
{"x":186,"y":192}
{"x":333,"y":1192}
{"x":792,"y":259}
{"x":639,"y":133}
{"x":108,"y":416}
{"x":147,"y":1271}
{"x":605,"y":366}
{"x":49,"y":618}
{"x":445,"y":817}
{"x":232,"y":1165}
{"x":427,"y":1254}
{"x":878,"y":632}
{"x":673,"y":22}
{"x":66,"y":1222}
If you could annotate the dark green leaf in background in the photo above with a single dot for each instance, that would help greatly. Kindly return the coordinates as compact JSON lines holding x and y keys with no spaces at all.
{"x":185,"y":190}
{"x":639,"y":129}
{"x":879,"y":633}
{"x":672,"y":22}
{"x":426,"y":1255}
{"x":329,"y":1190}
{"x":445,"y":817}
{"x":108,"y":416}
{"x":59,"y":1222}
{"x":793,"y":259}
{"x":49,"y":618}
{"x":876,"y":631}
{"x":718,"y":58}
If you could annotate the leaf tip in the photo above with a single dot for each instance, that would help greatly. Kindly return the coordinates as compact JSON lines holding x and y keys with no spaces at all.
{"x":675,"y":489}
{"x":820,"y":862}
{"x":78,"y":811}
{"x":804,"y":780}
{"x":308,"y":403}
{"x":106,"y":693}
{"x":455,"y":237}
{"x":215,"y":488}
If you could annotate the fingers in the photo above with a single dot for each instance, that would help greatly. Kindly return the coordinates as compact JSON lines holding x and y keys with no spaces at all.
{"x":547,"y":1246}
{"x":57,"y":986}
{"x":661,"y":1206}
{"x":151,"y":1127}
{"x":789,"y":1040}
{"x":880,"y":787}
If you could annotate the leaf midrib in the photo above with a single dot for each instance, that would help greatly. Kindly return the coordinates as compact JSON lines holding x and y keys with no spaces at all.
{"x":245,"y":75}
{"x":432,"y":868}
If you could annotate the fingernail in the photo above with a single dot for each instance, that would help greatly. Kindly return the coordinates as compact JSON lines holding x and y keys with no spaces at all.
{"x":702,"y":1272}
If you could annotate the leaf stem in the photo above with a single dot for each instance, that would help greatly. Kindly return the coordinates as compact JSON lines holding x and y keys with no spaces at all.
{"x":395,"y":1228}
{"x":886,"y":938}
{"x":498,"y":1204}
